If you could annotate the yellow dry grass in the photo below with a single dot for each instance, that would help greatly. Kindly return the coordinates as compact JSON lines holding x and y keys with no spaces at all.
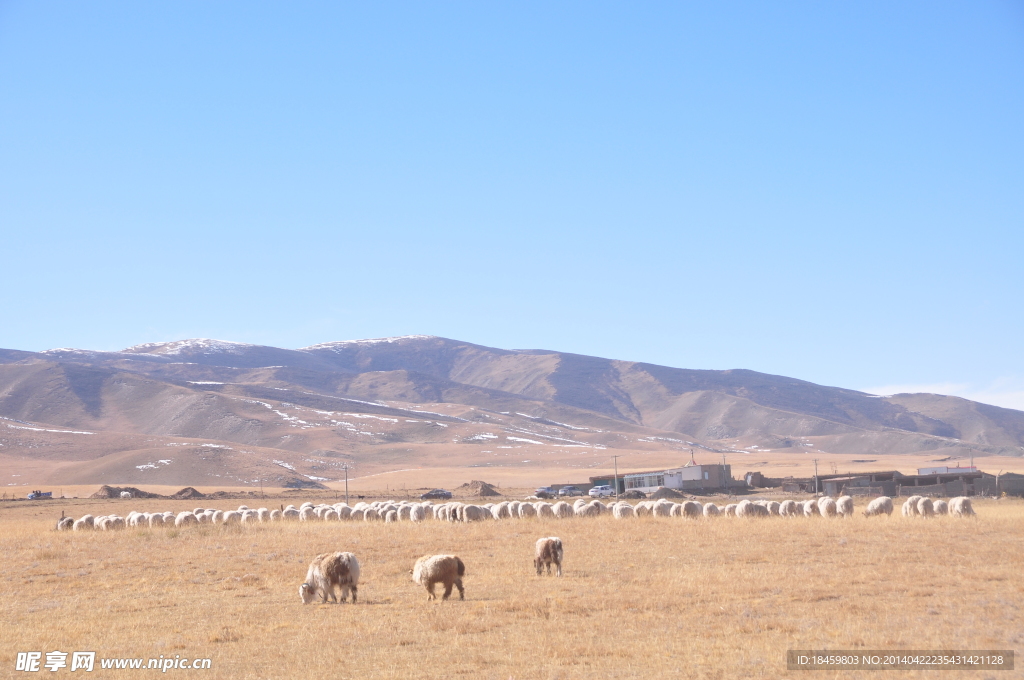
{"x":650,"y":597}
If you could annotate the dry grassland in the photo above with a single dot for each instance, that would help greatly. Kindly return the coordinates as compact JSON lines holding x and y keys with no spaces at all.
{"x":644,"y":598}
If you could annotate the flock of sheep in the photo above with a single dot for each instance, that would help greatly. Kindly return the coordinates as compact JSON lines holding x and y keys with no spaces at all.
{"x":394,"y":511}
{"x":332,"y":572}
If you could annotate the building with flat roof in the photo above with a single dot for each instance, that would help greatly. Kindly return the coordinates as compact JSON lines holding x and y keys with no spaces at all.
{"x":686,"y":477}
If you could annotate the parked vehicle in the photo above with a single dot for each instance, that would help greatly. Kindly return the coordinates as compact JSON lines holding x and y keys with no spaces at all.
{"x":436,"y":494}
{"x":35,"y":495}
{"x":569,"y":491}
{"x":602,"y":491}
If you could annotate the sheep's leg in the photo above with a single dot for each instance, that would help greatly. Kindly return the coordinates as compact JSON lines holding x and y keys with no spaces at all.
{"x":559,"y":568}
{"x":462,"y":592}
{"x":448,"y":590}
{"x":355,"y":590}
{"x":430,"y":591}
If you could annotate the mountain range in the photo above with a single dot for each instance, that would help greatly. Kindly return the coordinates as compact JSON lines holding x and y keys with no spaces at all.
{"x":238,"y":414}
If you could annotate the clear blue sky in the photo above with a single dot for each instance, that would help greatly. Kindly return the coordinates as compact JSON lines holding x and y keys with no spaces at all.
{"x":830,"y":191}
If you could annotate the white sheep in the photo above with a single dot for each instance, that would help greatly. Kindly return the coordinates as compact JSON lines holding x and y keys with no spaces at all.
{"x":692,"y":509}
{"x":730,"y":510}
{"x":276,"y":515}
{"x":910,"y":506}
{"x":185,"y":518}
{"x":527,"y":510}
{"x":263,"y":515}
{"x":827,"y":506}
{"x":810,"y":509}
{"x":126,"y":494}
{"x":844,"y":506}
{"x":156,"y":520}
{"x":961,"y":507}
{"x":940,"y":507}
{"x":662,"y":508}
{"x":622,"y":510}
{"x":328,"y":571}
{"x":500,"y":510}
{"x":84,"y":523}
{"x":925,"y":507}
{"x":544,"y":509}
{"x":789,"y":508}
{"x":880,"y":506}
{"x":65,"y":523}
{"x":330,"y":515}
{"x":417,"y":513}
{"x":231,"y":517}
{"x":562,"y":510}
{"x":712,"y":510}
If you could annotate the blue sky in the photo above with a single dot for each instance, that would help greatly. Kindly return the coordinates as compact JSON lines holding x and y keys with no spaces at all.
{"x":830,"y":191}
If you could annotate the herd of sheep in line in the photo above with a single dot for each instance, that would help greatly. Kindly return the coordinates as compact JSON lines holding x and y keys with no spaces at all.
{"x":331,"y":572}
{"x":394,"y":511}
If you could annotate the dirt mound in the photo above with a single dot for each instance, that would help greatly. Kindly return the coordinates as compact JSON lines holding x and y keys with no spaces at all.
{"x":478,"y":488}
{"x":115,"y":492}
{"x":188,"y":492}
{"x":667,"y":493}
{"x":633,"y":493}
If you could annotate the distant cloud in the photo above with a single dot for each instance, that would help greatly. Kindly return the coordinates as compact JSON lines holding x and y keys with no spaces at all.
{"x":1005,"y":392}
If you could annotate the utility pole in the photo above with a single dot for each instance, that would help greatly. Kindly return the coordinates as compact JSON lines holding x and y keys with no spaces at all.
{"x":346,"y":483}
{"x":616,"y":487}
{"x":815,"y":476}
{"x":725,"y":478}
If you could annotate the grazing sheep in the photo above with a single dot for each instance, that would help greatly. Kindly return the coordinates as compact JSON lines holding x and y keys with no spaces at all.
{"x":844,"y":506}
{"x":417,"y":513}
{"x":328,"y":571}
{"x":65,"y":523}
{"x":231,"y":517}
{"x":263,"y":515}
{"x":730,"y":510}
{"x":712,"y":510}
{"x":405,"y":512}
{"x":391,"y":516}
{"x":276,"y":515}
{"x":562,"y":510}
{"x":622,"y":510}
{"x":810,"y":509}
{"x":430,"y":570}
{"x":371,"y":515}
{"x":473,"y":513}
{"x":925,"y":507}
{"x":307,"y":514}
{"x":827,"y":506}
{"x":548,"y":552}
{"x":577,"y":504}
{"x":330,"y":515}
{"x":156,"y":520}
{"x":662,"y":508}
{"x":513,"y":509}
{"x":692,"y":509}
{"x":185,"y":518}
{"x":126,"y":494}
{"x":85,"y":522}
{"x":544,"y":509}
{"x":748,"y":509}
{"x":789,"y":509}
{"x":116,"y":522}
{"x":597,"y":508}
{"x":940,"y":507}
{"x":880,"y":506}
{"x":302,"y":507}
{"x":774,"y":508}
{"x":961,"y":507}
{"x":344,"y":512}
{"x":642,"y":509}
{"x":586,"y":510}
{"x":910,"y":506}
{"x":500,"y":510}
{"x":527,"y":510}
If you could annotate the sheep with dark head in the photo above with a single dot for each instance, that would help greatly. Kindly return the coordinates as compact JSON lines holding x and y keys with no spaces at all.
{"x":430,"y":570}
{"x":549,"y":551}
{"x":327,"y":572}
